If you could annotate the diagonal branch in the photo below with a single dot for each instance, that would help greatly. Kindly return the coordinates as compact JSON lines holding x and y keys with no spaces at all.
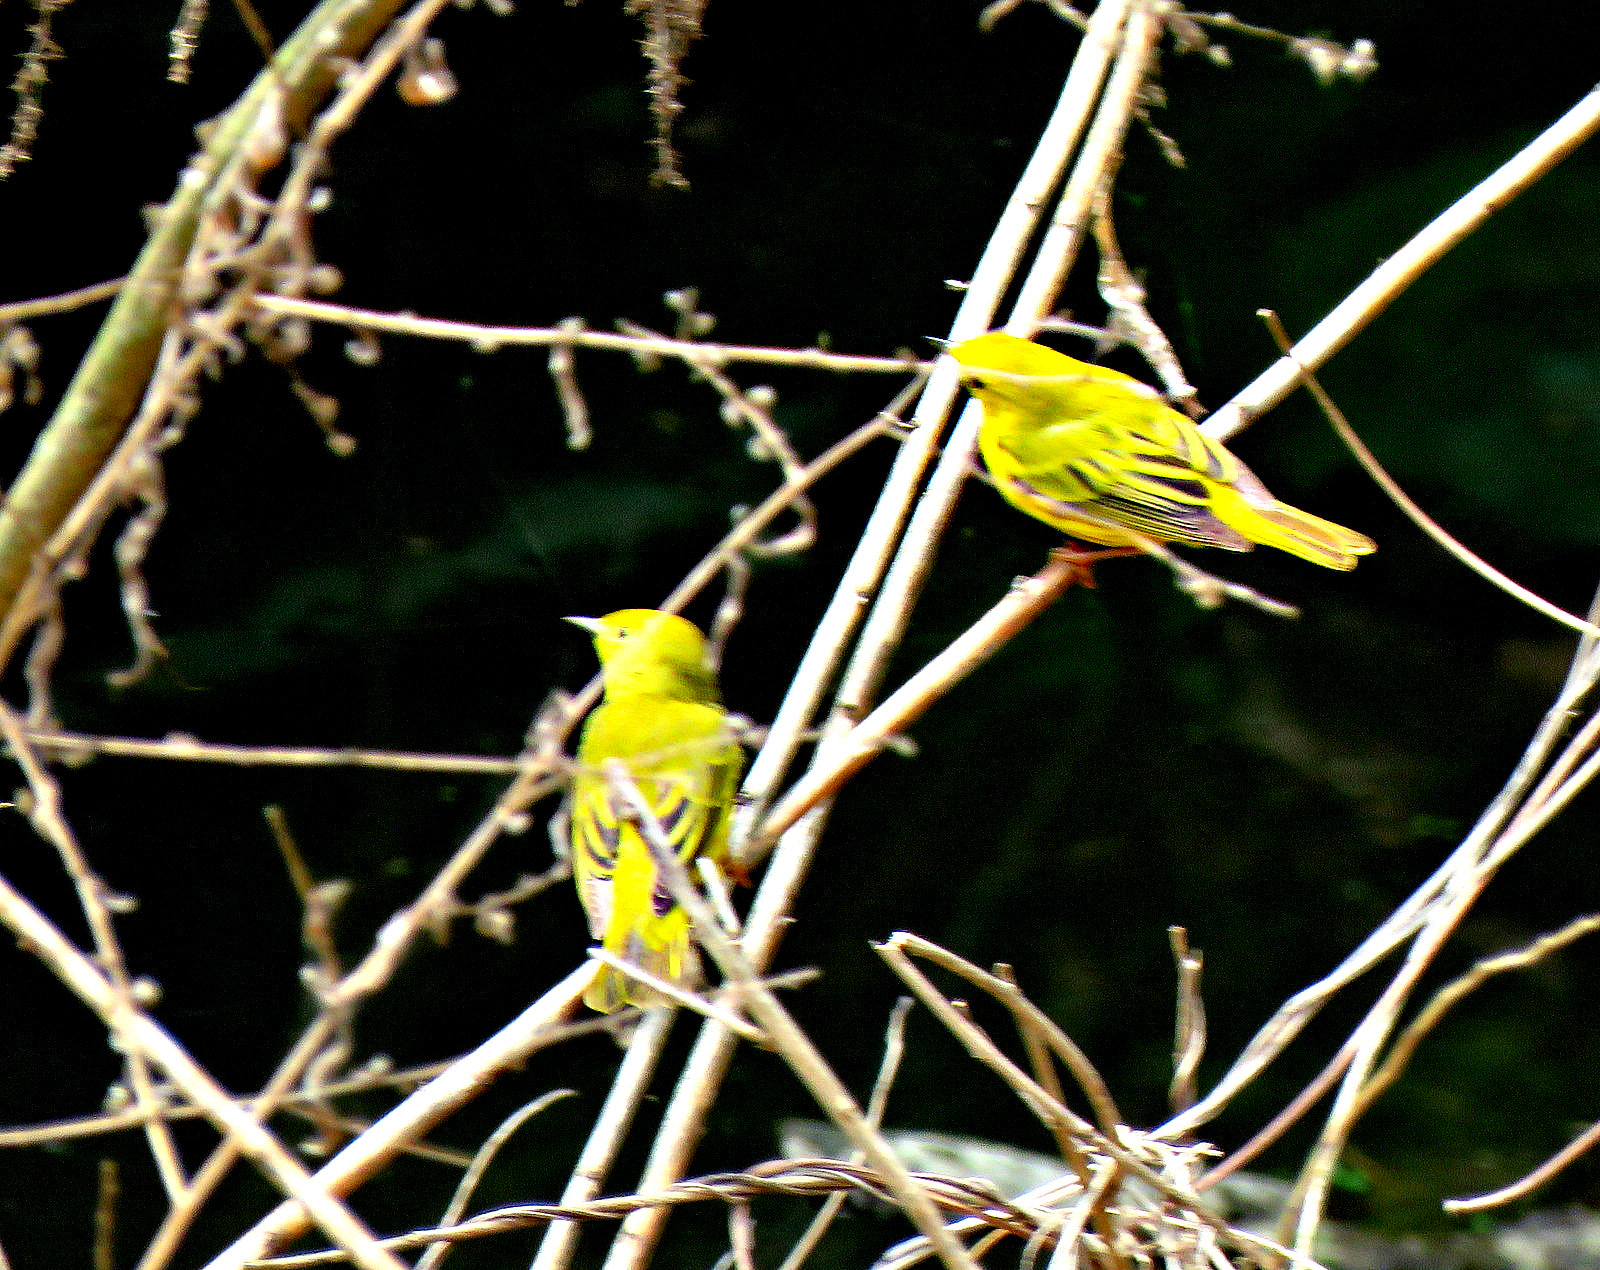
{"x":1440,"y":236}
{"x":137,"y":1030}
{"x":109,"y":385}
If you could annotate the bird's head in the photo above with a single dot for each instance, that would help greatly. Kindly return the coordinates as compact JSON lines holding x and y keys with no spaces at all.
{"x":646,"y":650}
{"x":1008,"y":373}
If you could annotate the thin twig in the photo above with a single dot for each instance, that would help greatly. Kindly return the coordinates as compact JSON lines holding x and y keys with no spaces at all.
{"x":1463,"y":986}
{"x":1291,"y":1017}
{"x":489,"y":338}
{"x":381,"y":962}
{"x":480,"y":1162}
{"x":354,"y":1126}
{"x":1005,"y":990}
{"x":1189,"y":1029}
{"x":103,"y":1254}
{"x":1039,"y":1036}
{"x":679,"y":995}
{"x":66,"y":302}
{"x":138,"y":1032}
{"x":741,"y":1252}
{"x":396,"y":936}
{"x":374,"y":1078}
{"x":750,"y":525}
{"x":1430,"y":915}
{"x":1283,"y":1120}
{"x":1130,"y":321}
{"x":1208,"y":590}
{"x":318,"y":903}
{"x":491,"y":914}
{"x":785,"y":1035}
{"x":753,"y":408}
{"x":1553,"y":792}
{"x":531,"y":1030}
{"x":105,"y":393}
{"x":894,"y":1047}
{"x":1525,"y":1186}
{"x":180,"y":1216}
{"x":98,"y":449}
{"x":564,"y":373}
{"x":95,"y":898}
{"x":1034,"y":1096}
{"x":855,"y":748}
{"x":1303,"y":1214}
{"x":186,"y":749}
{"x":606,"y":1135}
{"x":1409,"y":506}
{"x":1102,"y":152}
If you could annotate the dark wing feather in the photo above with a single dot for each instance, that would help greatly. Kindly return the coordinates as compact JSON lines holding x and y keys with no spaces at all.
{"x":1154,"y":475}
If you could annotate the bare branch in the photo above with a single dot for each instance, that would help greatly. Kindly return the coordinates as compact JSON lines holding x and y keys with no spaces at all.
{"x":784,"y":1033}
{"x":1399,"y":270}
{"x":66,"y":302}
{"x":488,"y":339}
{"x":480,"y":1162}
{"x":606,"y":1135}
{"x":187,"y":749}
{"x":140,"y":1034}
{"x":105,"y":393}
{"x":1521,"y":1189}
{"x":531,"y":1030}
{"x":1409,"y":506}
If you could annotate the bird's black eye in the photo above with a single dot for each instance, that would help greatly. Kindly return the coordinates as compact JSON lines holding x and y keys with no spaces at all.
{"x":977,"y":385}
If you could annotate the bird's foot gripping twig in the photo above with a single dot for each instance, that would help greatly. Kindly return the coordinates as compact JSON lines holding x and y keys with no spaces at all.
{"x":1206,"y":589}
{"x":1081,"y":560}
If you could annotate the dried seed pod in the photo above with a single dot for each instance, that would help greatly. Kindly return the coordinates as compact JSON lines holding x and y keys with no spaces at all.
{"x":363,"y":348}
{"x":426,"y":79}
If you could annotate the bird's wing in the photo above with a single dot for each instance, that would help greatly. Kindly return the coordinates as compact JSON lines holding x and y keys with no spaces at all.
{"x":595,"y":835}
{"x":1151,"y":483}
{"x":687,"y":782}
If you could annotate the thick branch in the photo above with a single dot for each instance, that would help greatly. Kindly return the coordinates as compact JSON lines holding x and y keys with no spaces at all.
{"x":106,"y":391}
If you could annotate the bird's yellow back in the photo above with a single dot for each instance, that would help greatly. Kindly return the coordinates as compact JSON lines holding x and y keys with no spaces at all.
{"x":661,"y":724}
{"x":1103,"y":458}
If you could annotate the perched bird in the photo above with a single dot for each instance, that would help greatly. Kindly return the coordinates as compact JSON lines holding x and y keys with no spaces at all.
{"x":1103,"y":458}
{"x":661,"y":721}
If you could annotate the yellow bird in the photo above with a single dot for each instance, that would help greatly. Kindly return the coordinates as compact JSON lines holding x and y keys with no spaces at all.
{"x":1103,"y":458}
{"x":661,"y":721}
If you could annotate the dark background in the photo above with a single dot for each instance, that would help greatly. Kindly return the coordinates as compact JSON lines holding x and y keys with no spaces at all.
{"x":1126,"y":764}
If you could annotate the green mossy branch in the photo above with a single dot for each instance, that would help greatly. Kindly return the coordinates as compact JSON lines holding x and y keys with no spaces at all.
{"x":105,"y":393}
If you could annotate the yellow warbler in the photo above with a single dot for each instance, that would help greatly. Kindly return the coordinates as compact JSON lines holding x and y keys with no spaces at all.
{"x":1101,"y":457}
{"x":661,"y":721}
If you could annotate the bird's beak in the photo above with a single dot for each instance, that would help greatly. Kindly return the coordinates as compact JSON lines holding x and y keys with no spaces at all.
{"x":590,"y":624}
{"x":944,"y":346}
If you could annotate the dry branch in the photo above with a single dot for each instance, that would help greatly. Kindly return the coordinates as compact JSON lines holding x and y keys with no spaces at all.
{"x":860,"y":582}
{"x":463,"y":1080}
{"x":107,"y":390}
{"x":1398,"y":271}
{"x":139,"y":1033}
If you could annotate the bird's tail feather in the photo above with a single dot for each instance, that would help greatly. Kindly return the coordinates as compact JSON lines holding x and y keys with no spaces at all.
{"x":1307,"y":536}
{"x":665,"y":951}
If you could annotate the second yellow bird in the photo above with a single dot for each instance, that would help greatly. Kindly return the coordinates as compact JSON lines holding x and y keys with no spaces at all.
{"x":1103,"y":458}
{"x":659,"y":725}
